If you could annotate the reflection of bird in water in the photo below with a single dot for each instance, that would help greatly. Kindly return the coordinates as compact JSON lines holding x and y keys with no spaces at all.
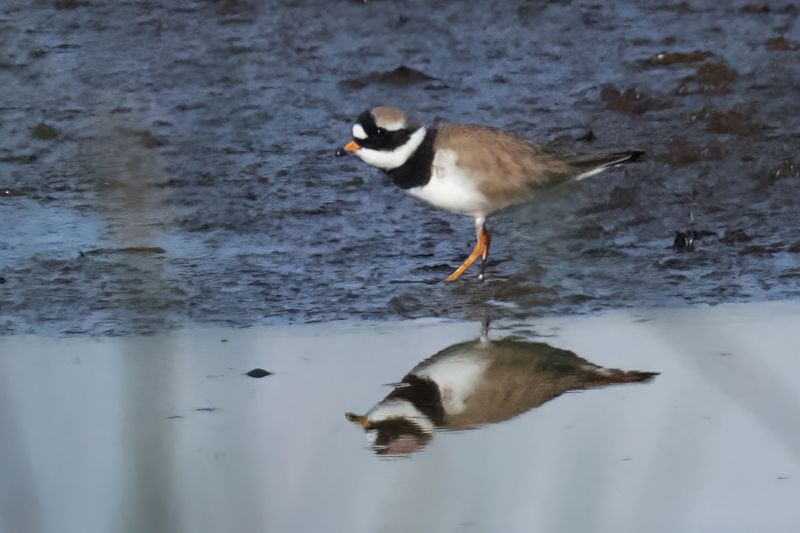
{"x":479,"y":382}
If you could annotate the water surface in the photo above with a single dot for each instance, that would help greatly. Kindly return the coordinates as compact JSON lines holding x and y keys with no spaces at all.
{"x":166,"y":433}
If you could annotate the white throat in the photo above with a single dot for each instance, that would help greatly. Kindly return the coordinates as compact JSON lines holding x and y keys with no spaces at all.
{"x":388,"y":160}
{"x":398,"y":408}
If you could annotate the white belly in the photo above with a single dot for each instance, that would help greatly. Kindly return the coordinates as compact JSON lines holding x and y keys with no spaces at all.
{"x":457,"y":377}
{"x":451,"y":188}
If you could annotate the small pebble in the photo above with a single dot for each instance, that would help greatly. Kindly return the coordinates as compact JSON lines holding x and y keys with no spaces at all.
{"x":259,"y":373}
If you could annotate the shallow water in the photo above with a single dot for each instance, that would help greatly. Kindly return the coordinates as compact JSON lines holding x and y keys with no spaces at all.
{"x":166,"y":433}
{"x":208,"y":129}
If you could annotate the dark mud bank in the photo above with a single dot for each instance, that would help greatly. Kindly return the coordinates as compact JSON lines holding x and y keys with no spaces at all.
{"x":164,"y":163}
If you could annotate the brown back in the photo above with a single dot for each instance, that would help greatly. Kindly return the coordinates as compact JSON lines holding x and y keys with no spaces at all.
{"x":507,"y":168}
{"x":522,"y":375}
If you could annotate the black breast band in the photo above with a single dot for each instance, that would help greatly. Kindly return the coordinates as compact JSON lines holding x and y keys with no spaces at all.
{"x":416,"y":171}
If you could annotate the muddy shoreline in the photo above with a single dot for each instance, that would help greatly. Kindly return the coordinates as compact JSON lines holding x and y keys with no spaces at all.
{"x":206,"y":130}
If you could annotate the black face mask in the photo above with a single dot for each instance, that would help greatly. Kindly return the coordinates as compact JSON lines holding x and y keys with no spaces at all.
{"x":379,"y":138}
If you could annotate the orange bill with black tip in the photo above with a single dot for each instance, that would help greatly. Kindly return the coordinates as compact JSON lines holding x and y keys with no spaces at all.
{"x":352,"y":147}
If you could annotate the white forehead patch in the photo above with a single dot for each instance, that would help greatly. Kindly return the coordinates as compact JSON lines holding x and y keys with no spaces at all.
{"x":358,"y":131}
{"x":393,"y":126}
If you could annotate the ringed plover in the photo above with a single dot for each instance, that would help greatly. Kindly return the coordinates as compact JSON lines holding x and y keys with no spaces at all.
{"x":467,"y":169}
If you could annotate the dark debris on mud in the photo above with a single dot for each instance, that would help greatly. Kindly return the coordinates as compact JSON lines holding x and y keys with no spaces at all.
{"x":401,"y":76}
{"x":782,"y":44}
{"x":630,"y":100}
{"x":186,"y":150}
{"x":709,"y":78}
{"x":44,"y":132}
{"x":680,"y":151}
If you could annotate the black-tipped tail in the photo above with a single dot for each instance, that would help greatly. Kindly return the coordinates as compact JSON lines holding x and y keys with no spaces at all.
{"x":613,"y":376}
{"x":607,"y":160}
{"x":589,"y":166}
{"x":620,"y":158}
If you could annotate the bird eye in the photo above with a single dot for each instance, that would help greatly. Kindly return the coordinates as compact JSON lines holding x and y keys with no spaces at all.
{"x":381,"y":132}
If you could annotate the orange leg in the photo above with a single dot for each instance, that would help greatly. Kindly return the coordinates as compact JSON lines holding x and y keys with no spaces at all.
{"x":481,"y":250}
{"x":485,"y":255}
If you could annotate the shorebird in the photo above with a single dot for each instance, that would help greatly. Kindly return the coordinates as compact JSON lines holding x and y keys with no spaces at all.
{"x":467,"y":169}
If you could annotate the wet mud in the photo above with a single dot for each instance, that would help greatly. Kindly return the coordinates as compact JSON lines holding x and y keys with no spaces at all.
{"x":207,"y":130}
